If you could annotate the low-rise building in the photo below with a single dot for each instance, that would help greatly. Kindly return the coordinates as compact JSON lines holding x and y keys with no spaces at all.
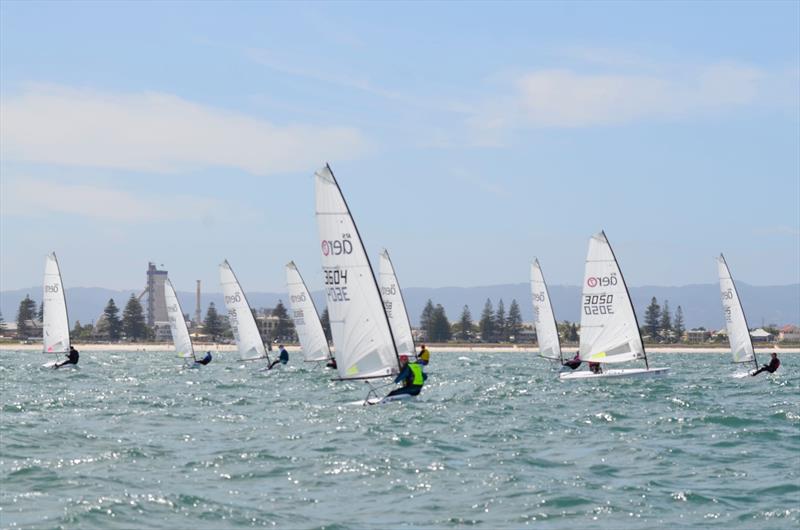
{"x":697,"y":335}
{"x":762,"y":335}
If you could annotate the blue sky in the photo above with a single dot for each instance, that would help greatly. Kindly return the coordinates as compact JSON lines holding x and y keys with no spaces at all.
{"x":468,"y":138}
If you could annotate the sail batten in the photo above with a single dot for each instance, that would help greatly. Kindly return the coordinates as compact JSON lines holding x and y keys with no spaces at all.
{"x":55,"y":320}
{"x":543,"y":316}
{"x":361,"y":331}
{"x":735,"y":320}
{"x":177,"y":323}
{"x":609,"y":329}
{"x":243,"y":323}
{"x":395,"y":306}
{"x":306,"y":318}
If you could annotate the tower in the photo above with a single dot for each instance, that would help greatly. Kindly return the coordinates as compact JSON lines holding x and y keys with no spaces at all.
{"x":197,"y":312}
{"x":156,"y":303}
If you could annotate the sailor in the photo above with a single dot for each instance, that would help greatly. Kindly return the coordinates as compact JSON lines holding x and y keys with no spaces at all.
{"x":206,"y":359}
{"x":773,"y":365}
{"x":72,"y":358}
{"x":575,"y":362}
{"x":424,"y":356}
{"x":331,"y":363}
{"x":411,"y":376}
{"x":283,"y":357}
{"x":595,"y":368}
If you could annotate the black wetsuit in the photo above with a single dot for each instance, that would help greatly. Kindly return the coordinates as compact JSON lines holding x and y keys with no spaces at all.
{"x":72,"y":358}
{"x":206,"y":359}
{"x":771,"y":367}
{"x":331,"y":364}
{"x":283,"y":358}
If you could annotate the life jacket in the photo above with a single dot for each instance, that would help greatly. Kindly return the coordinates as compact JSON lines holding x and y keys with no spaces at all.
{"x":416,"y":372}
{"x":425,"y":355}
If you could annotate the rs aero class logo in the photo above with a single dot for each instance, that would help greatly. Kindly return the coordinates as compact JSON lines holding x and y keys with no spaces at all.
{"x":337,"y":247}
{"x":602,"y":281}
{"x":234,"y":298}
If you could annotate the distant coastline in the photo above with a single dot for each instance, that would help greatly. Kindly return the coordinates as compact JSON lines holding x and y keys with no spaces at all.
{"x":435,"y":348}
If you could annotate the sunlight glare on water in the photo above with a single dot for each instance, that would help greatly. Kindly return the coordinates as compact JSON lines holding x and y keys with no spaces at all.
{"x":495,"y":441}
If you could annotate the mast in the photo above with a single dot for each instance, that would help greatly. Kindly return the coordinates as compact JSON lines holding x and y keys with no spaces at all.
{"x":369,"y":263}
{"x":746,"y":325}
{"x":314,"y":305}
{"x":405,"y":307}
{"x":552,"y":311}
{"x":250,"y":309}
{"x":635,"y":318}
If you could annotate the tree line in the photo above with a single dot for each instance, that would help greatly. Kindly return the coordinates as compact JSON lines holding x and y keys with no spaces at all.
{"x":131,"y":325}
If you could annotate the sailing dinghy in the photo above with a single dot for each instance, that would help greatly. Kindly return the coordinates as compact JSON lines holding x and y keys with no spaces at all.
{"x":306,"y":318}
{"x":735,"y":321}
{"x":55,"y":325}
{"x":395,"y":306}
{"x":177,"y":325}
{"x":362,"y":335}
{"x":544,"y":318}
{"x":240,"y":315}
{"x":609,"y":329}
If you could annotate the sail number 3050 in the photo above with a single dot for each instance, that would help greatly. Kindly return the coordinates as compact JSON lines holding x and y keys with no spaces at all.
{"x":336,"y":285}
{"x":598,"y":304}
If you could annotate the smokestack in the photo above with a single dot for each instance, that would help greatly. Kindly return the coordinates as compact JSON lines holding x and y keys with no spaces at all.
{"x":197,"y":312}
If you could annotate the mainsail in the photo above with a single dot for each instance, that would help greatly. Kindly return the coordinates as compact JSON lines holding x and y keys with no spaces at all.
{"x":177,"y":323}
{"x":543,"y":316}
{"x":361,"y":332}
{"x":55,"y":331}
{"x":395,"y":306}
{"x":609,"y":329}
{"x":243,"y":323}
{"x":305,"y":317}
{"x":735,"y":321}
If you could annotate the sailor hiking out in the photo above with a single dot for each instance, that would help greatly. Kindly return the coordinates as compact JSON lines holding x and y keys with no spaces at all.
{"x":411,"y":376}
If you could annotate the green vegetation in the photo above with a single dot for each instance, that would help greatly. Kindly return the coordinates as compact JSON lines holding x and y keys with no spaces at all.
{"x":112,"y":324}
{"x":26,"y":312}
{"x":284,"y":330}
{"x":133,"y":323}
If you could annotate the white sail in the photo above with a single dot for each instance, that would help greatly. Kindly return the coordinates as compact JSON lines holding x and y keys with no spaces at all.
{"x":243,"y":323}
{"x":543,"y":316}
{"x":395,"y":306}
{"x":735,"y":322}
{"x":360,"y":328}
{"x":305,"y":317}
{"x":55,"y":328}
{"x":609,"y":330}
{"x":177,"y":323}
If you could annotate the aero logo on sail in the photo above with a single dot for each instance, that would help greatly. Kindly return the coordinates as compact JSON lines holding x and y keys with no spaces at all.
{"x":337,"y":247}
{"x":604,"y":281}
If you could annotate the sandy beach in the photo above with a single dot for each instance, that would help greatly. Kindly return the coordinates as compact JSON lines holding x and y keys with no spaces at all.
{"x":443,"y":348}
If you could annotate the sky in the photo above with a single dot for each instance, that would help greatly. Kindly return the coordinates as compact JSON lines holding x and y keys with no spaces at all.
{"x":468,"y":138}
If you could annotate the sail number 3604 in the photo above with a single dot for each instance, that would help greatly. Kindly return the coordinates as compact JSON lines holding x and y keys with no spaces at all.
{"x":336,"y":285}
{"x":598,"y":304}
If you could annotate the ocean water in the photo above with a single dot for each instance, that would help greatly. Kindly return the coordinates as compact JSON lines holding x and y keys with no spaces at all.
{"x":132,"y":440}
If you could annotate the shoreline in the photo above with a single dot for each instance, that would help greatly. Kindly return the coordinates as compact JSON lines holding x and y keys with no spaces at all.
{"x":456,"y":348}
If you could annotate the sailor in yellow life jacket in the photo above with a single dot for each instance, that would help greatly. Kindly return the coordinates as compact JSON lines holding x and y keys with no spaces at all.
{"x":411,"y":376}
{"x":424,"y":356}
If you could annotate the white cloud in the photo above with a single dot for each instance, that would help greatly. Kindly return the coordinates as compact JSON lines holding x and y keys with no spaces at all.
{"x":37,"y":197}
{"x":564,"y":98}
{"x":159,"y":132}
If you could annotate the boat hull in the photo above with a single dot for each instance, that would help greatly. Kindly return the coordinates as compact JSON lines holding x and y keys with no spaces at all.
{"x":615,"y":373}
{"x":384,"y":400}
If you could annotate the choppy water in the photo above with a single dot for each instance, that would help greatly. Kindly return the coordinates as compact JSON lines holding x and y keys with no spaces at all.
{"x":133,"y":441}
